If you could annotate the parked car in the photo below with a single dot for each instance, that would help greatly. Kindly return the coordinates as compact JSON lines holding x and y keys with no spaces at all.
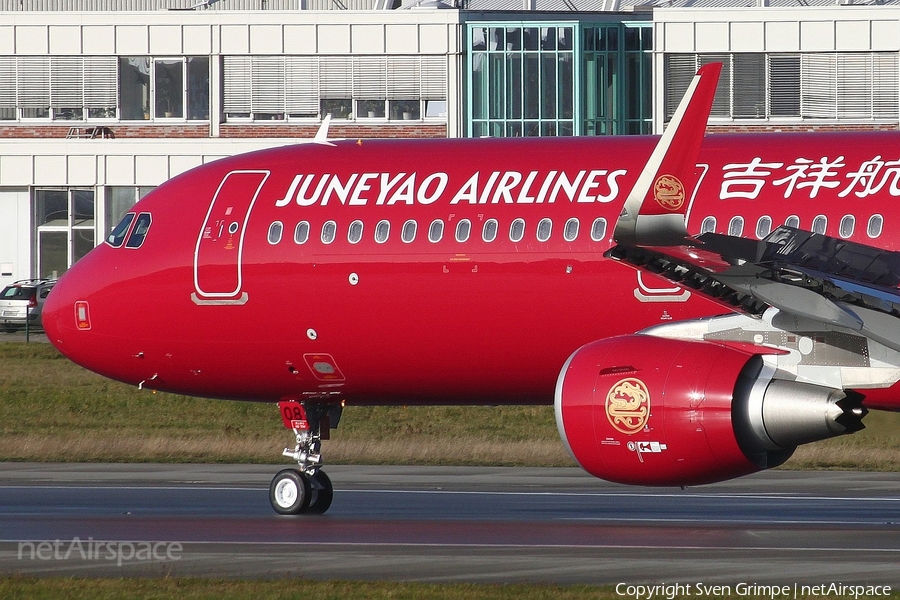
{"x":23,"y":298}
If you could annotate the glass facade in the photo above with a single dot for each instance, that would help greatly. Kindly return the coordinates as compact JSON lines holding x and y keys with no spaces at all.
{"x":158,"y":88}
{"x":119,"y":200}
{"x":64,"y":220}
{"x":618,"y":79}
{"x":559,"y":78}
{"x":523,"y":80}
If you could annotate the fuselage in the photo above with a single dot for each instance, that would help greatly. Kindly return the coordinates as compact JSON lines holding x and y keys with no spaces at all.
{"x":426,"y":272}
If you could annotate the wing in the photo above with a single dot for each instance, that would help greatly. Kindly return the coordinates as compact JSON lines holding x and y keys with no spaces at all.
{"x":830,"y":306}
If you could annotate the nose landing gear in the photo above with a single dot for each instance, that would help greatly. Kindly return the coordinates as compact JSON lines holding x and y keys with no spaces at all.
{"x":307,"y":489}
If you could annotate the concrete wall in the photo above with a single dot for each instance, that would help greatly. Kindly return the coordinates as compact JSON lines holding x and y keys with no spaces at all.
{"x":15,"y":235}
{"x":821,"y":29}
{"x":110,"y":162}
{"x":210,"y":32}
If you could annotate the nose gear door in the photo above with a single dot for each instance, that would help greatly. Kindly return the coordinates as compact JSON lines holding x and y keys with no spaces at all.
{"x":219,"y":251}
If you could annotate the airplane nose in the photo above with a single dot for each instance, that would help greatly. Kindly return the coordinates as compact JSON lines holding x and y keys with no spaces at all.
{"x":76,"y":318}
{"x":66,"y":315}
{"x":51,"y":315}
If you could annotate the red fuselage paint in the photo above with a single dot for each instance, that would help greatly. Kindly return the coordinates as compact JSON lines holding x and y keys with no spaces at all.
{"x":215,"y":302}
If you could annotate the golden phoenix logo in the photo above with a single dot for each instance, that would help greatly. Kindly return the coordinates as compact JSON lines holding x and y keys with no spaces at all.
{"x":628,"y":405}
{"x":668,"y":192}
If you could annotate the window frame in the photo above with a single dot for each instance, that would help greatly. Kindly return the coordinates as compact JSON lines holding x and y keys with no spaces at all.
{"x":492,"y":224}
{"x":468,"y":232}
{"x":569,"y":223}
{"x":326,"y":226}
{"x":601,"y":235}
{"x":436,"y":231}
{"x":385,"y":226}
{"x":517,"y":236}
{"x":275,"y":226}
{"x":302,"y":226}
{"x":409,"y":231}
{"x":876,"y":218}
{"x":261,"y":88}
{"x":544,"y":236}
{"x":355,"y":231}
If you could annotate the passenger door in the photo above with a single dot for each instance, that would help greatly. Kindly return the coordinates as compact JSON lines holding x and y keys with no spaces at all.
{"x":218,"y":276}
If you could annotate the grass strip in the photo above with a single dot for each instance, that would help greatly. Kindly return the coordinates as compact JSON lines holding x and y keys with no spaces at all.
{"x":53,"y":588}
{"x":53,"y":410}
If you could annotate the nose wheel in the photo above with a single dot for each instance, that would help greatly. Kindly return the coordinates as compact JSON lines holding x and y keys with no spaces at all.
{"x":307,"y":489}
{"x":290,"y":492}
{"x":293,"y":492}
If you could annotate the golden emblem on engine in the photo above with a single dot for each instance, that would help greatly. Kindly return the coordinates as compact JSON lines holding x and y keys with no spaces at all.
{"x":668,"y":192}
{"x":628,"y":405}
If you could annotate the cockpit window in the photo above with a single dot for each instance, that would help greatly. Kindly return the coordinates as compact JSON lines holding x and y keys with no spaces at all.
{"x":117,"y":236}
{"x":141,"y":227}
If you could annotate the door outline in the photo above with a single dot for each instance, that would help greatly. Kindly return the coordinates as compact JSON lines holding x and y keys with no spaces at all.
{"x":235,"y":296}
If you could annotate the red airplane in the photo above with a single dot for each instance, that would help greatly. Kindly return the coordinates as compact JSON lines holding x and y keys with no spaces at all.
{"x":518,"y":271}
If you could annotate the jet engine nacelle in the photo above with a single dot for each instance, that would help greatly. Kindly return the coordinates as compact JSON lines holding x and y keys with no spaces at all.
{"x":645,"y":410}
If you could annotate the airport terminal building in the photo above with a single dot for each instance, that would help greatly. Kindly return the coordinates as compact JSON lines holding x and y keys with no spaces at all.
{"x":99,"y":104}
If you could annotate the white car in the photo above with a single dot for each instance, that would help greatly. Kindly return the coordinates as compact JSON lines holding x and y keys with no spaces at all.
{"x":23,"y":299}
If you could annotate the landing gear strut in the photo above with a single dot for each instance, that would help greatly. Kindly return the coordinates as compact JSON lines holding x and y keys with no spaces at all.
{"x":307,"y":489}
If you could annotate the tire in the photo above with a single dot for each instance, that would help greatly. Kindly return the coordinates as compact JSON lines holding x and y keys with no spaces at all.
{"x":289,"y":492}
{"x":322,"y":494}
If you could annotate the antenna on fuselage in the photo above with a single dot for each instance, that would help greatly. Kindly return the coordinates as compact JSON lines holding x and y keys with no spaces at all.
{"x":322,"y":133}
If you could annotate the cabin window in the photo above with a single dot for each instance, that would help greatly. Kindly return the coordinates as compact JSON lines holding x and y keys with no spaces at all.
{"x":382,"y":231}
{"x":141,"y":227}
{"x":736,"y":226}
{"x":463,"y":229}
{"x":793,"y":221}
{"x":489,"y":232}
{"x":355,"y":233}
{"x":848,"y":225}
{"x":876,"y":222}
{"x":409,"y":231}
{"x":275,"y":231}
{"x":708,"y":225}
{"x":301,"y":232}
{"x":763,"y":226}
{"x":517,"y":230}
{"x":598,"y":230}
{"x":117,"y":237}
{"x":820,"y":224}
{"x":436,"y":231}
{"x":329,"y":231}
{"x":544,"y":228}
{"x":570,"y":232}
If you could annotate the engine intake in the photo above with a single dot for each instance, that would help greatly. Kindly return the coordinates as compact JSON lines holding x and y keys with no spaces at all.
{"x":654,"y":411}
